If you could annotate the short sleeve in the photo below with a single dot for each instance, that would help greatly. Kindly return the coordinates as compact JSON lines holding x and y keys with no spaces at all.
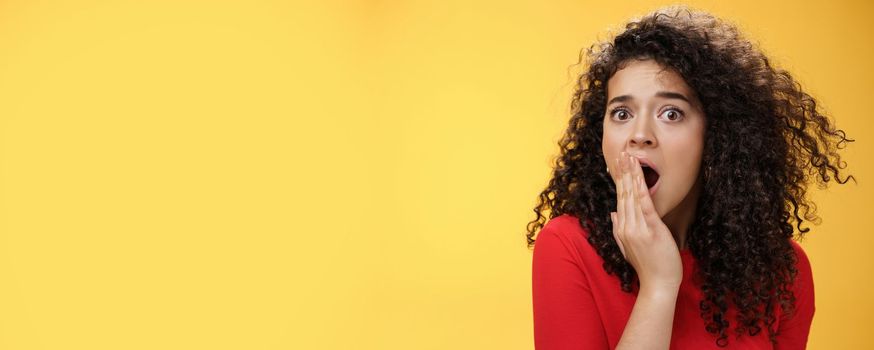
{"x":565,"y":314}
{"x":794,"y":328}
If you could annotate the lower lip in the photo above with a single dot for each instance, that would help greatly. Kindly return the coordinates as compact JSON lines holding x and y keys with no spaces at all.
{"x":655,"y":187}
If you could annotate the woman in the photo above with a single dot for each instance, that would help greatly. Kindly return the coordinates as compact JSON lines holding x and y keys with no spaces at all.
{"x":672,"y":204}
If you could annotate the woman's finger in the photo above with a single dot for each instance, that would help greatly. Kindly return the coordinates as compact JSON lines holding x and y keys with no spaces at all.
{"x":620,"y":200}
{"x":639,"y":192}
{"x":635,"y":211}
{"x":613,"y":171}
{"x":647,"y":208}
{"x":615,"y":234}
{"x":627,"y":186}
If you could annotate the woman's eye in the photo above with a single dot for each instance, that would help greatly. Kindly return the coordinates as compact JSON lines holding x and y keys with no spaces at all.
{"x":672,"y":114}
{"x":620,"y":114}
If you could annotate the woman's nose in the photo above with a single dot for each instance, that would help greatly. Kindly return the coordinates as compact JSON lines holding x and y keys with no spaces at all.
{"x":642,"y":140}
{"x":642,"y":135}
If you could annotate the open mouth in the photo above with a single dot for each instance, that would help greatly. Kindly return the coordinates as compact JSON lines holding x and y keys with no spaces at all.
{"x":649,"y":175}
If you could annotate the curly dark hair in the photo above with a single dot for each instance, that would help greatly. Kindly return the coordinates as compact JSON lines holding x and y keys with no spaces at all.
{"x":764,"y":138}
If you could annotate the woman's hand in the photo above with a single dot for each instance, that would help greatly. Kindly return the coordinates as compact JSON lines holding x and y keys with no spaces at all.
{"x":645,"y":241}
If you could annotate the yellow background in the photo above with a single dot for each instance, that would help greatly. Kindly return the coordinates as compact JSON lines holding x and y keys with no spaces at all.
{"x":335,"y":174}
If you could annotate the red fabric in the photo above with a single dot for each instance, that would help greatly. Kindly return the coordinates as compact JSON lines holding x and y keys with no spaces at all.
{"x":577,"y":305}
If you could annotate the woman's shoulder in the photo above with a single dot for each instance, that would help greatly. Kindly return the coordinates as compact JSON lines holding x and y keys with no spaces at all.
{"x":796,"y":325}
{"x":804,"y":279}
{"x":561,"y":249}
{"x":802,"y":260}
{"x":566,"y":230}
{"x":566,"y":225}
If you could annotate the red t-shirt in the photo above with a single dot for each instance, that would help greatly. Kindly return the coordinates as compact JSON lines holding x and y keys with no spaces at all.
{"x":577,"y":305}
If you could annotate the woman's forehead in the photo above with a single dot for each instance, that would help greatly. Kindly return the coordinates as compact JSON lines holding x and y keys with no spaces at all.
{"x":638,"y":79}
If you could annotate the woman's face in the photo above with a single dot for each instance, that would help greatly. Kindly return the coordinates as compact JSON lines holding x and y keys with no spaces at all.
{"x":653,"y":115}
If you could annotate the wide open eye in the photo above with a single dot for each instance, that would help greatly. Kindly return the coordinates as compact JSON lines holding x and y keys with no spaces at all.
{"x":672,"y":114}
{"x":620,"y":114}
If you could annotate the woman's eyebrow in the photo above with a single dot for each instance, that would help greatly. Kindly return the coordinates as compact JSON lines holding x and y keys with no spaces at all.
{"x":663,"y":94}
